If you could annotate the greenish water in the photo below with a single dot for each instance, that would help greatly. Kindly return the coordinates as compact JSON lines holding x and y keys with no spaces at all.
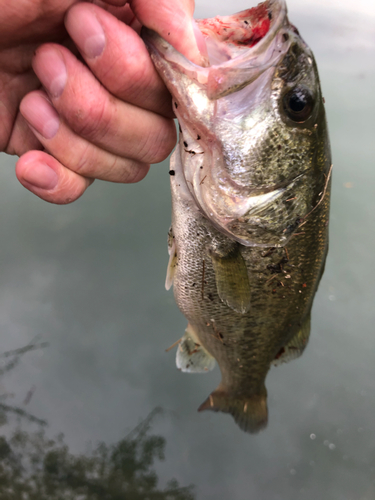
{"x":89,"y":280}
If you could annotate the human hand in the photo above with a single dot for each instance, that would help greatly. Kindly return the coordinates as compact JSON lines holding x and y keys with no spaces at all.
{"x":107,"y":120}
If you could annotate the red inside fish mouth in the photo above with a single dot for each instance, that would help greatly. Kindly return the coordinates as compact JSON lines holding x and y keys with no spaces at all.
{"x":245,"y":28}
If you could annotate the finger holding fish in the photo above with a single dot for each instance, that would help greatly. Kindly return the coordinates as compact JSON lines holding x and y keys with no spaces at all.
{"x":47,"y":178}
{"x":119,"y":114}
{"x":173,"y":21}
{"x":117,"y":57}
{"x":82,"y":156}
{"x":94,"y":114}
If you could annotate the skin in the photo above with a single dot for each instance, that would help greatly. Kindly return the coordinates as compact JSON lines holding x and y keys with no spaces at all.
{"x":79,"y":74}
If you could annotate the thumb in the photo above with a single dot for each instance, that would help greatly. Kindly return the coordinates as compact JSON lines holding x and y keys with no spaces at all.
{"x":173,"y":21}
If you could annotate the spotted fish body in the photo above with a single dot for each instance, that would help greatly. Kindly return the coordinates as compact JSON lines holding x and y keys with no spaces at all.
{"x":250,"y":182}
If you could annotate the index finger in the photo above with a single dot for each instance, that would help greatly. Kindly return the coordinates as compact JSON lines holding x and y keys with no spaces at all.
{"x":117,"y":57}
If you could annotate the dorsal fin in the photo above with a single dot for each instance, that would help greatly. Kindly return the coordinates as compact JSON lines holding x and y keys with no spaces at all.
{"x":191,"y":356}
{"x":295,"y":347}
{"x":232,"y":281}
{"x":249,"y":412}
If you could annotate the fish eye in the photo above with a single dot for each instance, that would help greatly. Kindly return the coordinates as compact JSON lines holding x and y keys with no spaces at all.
{"x":299,"y":104}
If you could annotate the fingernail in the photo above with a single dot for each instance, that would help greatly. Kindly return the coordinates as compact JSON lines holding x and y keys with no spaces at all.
{"x":86,"y":31}
{"x":54,"y":75}
{"x":40,"y":115}
{"x":40,"y":175}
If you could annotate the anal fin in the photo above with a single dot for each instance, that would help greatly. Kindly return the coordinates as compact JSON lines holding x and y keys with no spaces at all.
{"x":191,"y":356}
{"x":295,"y":347}
{"x":232,"y":281}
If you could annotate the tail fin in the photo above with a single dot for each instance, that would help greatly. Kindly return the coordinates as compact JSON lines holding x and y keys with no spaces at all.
{"x":249,"y":412}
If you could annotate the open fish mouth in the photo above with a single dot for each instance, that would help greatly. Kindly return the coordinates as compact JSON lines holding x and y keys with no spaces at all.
{"x":237,"y":46}
{"x":245,"y":29}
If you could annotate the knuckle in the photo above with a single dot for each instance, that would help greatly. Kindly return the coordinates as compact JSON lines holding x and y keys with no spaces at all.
{"x":126,"y":171}
{"x":84,"y":161}
{"x":71,"y":189}
{"x":92,"y":119}
{"x":159,"y":143}
{"x":123,"y":171}
{"x":141,"y":77}
{"x":134,"y":87}
{"x":135,"y":173}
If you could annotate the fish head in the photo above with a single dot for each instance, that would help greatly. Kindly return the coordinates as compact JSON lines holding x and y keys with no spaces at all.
{"x":253,"y":137}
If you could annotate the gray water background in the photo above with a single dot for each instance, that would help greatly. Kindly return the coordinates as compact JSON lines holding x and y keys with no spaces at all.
{"x":89,"y":279}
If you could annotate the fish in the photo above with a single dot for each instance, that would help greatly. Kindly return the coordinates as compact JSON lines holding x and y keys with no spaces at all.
{"x":250,"y":181}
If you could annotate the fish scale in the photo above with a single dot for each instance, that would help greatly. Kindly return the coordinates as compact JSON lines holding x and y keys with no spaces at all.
{"x":276,"y":313}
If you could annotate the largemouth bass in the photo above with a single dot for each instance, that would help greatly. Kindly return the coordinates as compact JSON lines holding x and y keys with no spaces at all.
{"x":250,"y":182}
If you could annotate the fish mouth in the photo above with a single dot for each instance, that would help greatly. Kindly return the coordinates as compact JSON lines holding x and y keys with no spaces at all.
{"x":237,"y":56}
{"x":229,"y":38}
{"x":232,"y":34}
{"x":248,"y":48}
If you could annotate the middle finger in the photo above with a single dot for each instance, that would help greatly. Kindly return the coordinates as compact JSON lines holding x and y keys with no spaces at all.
{"x":72,"y":151}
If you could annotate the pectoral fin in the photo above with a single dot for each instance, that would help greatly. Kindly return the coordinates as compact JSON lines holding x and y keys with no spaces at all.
{"x":295,"y":347}
{"x":172,"y":260}
{"x":232,"y":281}
{"x":191,"y":356}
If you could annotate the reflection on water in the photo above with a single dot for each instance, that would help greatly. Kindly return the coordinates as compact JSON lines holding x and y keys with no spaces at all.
{"x":8,"y":361}
{"x":36,"y":467}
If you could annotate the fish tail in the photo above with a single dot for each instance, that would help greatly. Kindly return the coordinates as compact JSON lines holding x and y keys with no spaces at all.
{"x":249,"y":412}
